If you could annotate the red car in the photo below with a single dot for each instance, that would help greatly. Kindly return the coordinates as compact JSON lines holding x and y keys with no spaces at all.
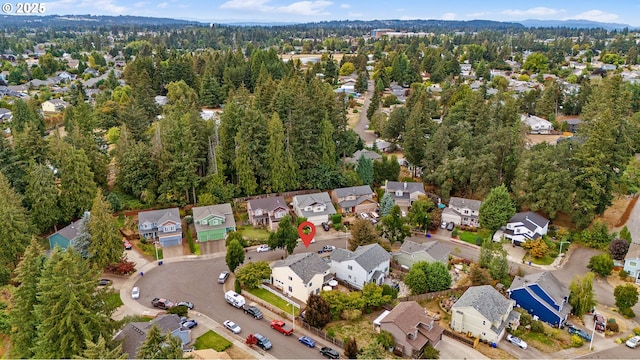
{"x":127,"y":245}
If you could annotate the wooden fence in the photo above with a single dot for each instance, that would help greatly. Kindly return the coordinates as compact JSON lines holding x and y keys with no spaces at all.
{"x":319,"y":333}
{"x":460,"y":337}
{"x":431,"y":295}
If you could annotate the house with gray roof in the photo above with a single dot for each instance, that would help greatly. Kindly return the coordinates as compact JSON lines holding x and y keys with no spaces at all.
{"x":404,"y":193}
{"x":632,"y":262}
{"x":412,"y":329}
{"x":213,"y":222}
{"x":525,"y":226}
{"x":64,"y":237}
{"x":316,"y":208}
{"x":300,"y":275}
{"x":537,"y":125}
{"x":164,"y":226}
{"x":5,"y":115}
{"x":542,"y":295}
{"x":135,"y":333}
{"x":267,"y":211}
{"x":368,"y":263}
{"x":54,"y":105}
{"x":462,"y":211}
{"x":484,"y":313}
{"x":368,"y":154}
{"x":411,"y":252}
{"x":354,"y":199}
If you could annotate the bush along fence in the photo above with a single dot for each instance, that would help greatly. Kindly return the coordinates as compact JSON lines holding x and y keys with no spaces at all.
{"x":460,"y":337}
{"x":432,"y":295}
{"x":321,"y":334}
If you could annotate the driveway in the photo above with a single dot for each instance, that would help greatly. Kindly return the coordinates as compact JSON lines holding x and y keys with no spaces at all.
{"x":451,"y":349}
{"x":368,"y":137}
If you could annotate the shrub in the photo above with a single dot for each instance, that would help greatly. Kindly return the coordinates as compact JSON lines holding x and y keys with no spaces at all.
{"x":636,"y":330}
{"x":576,"y":341}
{"x":537,"y":326}
{"x":612,"y":326}
{"x":628,"y":313}
{"x":385,"y":339}
{"x":336,"y":218}
{"x":123,"y":267}
{"x":454,"y":233}
{"x":238,"y":287}
{"x":388,"y":290}
{"x":331,"y":333}
{"x":623,"y":274}
{"x":525,"y":319}
{"x":178,"y":310}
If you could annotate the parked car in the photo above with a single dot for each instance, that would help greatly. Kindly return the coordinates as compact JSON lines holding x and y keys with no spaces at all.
{"x":329,"y":352}
{"x":253,"y":311}
{"x":127,"y":245}
{"x":443,"y":225}
{"x":263,"y":341}
{"x":104,"y":282}
{"x":189,"y":323}
{"x":231,"y":326}
{"x":328,"y":248}
{"x":263,"y":248}
{"x":187,"y":304}
{"x":364,"y":216}
{"x":600,"y":322}
{"x":325,"y":226}
{"x":222,"y":278}
{"x":135,"y":292}
{"x":451,"y":226}
{"x":517,"y":341}
{"x":305,"y":340}
{"x":583,"y":334}
{"x":633,"y":342}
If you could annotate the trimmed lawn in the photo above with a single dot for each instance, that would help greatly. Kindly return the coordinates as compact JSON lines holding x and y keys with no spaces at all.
{"x":273,"y":300}
{"x":546,"y":260}
{"x":249,"y":232}
{"x":212,"y":340}
{"x":114,"y":300}
{"x":470,"y":237}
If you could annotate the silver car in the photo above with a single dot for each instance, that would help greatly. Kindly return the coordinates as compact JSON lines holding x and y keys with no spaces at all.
{"x":231,"y":326}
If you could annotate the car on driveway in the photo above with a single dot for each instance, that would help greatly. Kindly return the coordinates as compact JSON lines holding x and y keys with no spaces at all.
{"x":127,"y":245}
{"x":633,"y":342}
{"x":328,"y":248}
{"x":583,"y":334}
{"x":187,"y":304}
{"x":222,"y":278}
{"x":443,"y":225}
{"x":517,"y":341}
{"x":253,"y":311}
{"x":329,"y":352}
{"x":305,"y":340}
{"x":135,"y":292}
{"x":189,"y":323}
{"x":231,"y":326}
{"x":104,"y":282}
{"x":364,"y":216}
{"x":325,"y":226}
{"x":263,"y":248}
{"x":451,"y":226}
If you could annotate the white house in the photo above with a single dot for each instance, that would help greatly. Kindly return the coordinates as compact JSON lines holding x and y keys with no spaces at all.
{"x":462,"y":211}
{"x":54,"y":105}
{"x":525,"y":226}
{"x":317,"y":208}
{"x":632,"y":262}
{"x":300,"y":275}
{"x":369,"y":263}
{"x":537,"y":125}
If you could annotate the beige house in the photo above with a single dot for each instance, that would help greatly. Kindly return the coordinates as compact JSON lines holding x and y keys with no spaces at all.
{"x":484,"y":313}
{"x":462,"y":211}
{"x":300,"y":275}
{"x":354,"y":199}
{"x":411,"y":328}
{"x":54,"y":105}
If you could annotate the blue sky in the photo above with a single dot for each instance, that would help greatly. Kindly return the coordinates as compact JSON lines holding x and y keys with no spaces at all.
{"x":620,"y":11}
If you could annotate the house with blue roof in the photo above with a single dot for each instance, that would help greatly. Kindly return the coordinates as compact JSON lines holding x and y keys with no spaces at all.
{"x":543,"y":296}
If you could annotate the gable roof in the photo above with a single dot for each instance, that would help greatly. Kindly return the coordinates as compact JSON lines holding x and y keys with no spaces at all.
{"x":409,"y":316}
{"x":463,"y":203}
{"x":368,"y":154}
{"x":221,"y":210}
{"x":530,"y":220}
{"x":354,"y":190}
{"x":135,"y":333}
{"x":633,"y":252}
{"x":305,"y":265}
{"x":367,"y":256}
{"x":268,"y":203}
{"x":486,"y":300}
{"x":436,"y":250}
{"x":408,"y":187}
{"x":310,"y":199}
{"x":547,"y":281}
{"x":159,"y":217}
{"x":70,"y":231}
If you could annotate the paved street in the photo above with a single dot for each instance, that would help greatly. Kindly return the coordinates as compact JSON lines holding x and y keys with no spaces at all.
{"x":368,"y":137}
{"x":617,"y":352}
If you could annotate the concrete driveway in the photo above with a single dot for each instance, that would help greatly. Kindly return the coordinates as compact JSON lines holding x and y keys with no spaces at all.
{"x":451,"y":349}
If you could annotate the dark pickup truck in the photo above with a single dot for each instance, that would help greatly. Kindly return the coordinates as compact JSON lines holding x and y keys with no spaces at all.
{"x":162,"y":303}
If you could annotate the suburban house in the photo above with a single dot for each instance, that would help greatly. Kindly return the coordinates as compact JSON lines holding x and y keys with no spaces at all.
{"x":462,"y":211}
{"x":267,"y":211}
{"x":542,"y":295}
{"x":368,"y":154}
{"x":213,"y":222}
{"x":300,"y":275}
{"x":316,"y":208}
{"x":5,"y":115}
{"x":525,"y":226}
{"x":368,"y":263}
{"x":135,"y":333}
{"x":65,"y":236}
{"x":537,"y":125}
{"x":484,"y":313}
{"x":404,"y":193}
{"x":411,"y":328}
{"x":411,"y":252}
{"x":573,"y":125}
{"x":54,"y":105}
{"x":355,"y":199}
{"x":632,"y":262}
{"x":163,"y":225}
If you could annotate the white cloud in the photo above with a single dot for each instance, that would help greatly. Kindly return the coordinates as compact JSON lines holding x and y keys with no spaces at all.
{"x":409,"y":17}
{"x":536,"y":11}
{"x":163,"y":5}
{"x":140,"y":4}
{"x":298,"y":8}
{"x":448,"y":16}
{"x":345,"y":6}
{"x":596,"y":15}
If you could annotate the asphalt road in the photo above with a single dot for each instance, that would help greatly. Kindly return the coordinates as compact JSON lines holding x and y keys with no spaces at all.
{"x":618,"y":352}
{"x":368,"y":137}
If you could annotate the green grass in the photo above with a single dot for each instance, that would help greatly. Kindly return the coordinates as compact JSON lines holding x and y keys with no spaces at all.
{"x":212,"y":340}
{"x":149,"y":250}
{"x":470,"y":237}
{"x":541,"y":338}
{"x":546,"y":260}
{"x":114,"y":300}
{"x":273,"y":300}
{"x":248,"y":232}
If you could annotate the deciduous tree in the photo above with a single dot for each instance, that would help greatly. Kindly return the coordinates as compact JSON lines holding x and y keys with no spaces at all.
{"x":626,"y":296}
{"x":394,"y":226}
{"x":582,"y":297}
{"x":601,"y":265}
{"x":362,"y":233}
{"x":252,"y":274}
{"x":419,"y":213}
{"x":496,"y":209}
{"x":235,"y":255}
{"x":618,"y":249}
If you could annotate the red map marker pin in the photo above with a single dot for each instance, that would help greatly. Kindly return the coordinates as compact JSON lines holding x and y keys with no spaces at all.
{"x":306,"y":238}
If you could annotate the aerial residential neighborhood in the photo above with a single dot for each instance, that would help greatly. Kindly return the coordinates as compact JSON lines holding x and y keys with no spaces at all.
{"x":309,"y":182}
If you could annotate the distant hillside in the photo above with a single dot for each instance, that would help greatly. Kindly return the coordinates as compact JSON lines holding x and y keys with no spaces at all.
{"x":418,"y":25}
{"x":61,"y":21}
{"x":578,"y":24}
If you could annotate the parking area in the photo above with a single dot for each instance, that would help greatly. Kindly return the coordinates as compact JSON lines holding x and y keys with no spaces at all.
{"x":451,"y":349}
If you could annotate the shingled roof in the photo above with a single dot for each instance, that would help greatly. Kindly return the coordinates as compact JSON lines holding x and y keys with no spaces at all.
{"x":368,"y":256}
{"x":547,"y":281}
{"x":486,"y":300}
{"x":305,"y":265}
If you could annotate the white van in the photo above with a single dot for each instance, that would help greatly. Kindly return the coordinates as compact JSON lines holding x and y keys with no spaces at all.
{"x":375,"y":215}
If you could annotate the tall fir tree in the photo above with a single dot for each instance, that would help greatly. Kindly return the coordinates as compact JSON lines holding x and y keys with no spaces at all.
{"x":106,"y":246}
{"x":158,"y":346}
{"x":326,"y":145}
{"x":77,"y":188}
{"x":82,"y":242}
{"x":102,"y":350}
{"x":365,"y":170}
{"x":41,"y":196}
{"x":276,"y":156}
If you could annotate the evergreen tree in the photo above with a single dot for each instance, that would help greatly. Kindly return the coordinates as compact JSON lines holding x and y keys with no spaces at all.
{"x":70,"y":310}
{"x":82,"y":242}
{"x":24,"y":299}
{"x":158,"y":346}
{"x":41,"y":196}
{"x":77,"y":188}
{"x":101,"y":350}
{"x":318,"y":313}
{"x":210,"y":92}
{"x":365,"y":170}
{"x":386,"y":204}
{"x":326,"y":145}
{"x":106,"y":245}
{"x":496,"y":209}
{"x":246,"y":176}
{"x":279,"y":177}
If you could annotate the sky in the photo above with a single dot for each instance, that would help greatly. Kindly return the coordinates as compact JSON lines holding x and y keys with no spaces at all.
{"x":225,"y":11}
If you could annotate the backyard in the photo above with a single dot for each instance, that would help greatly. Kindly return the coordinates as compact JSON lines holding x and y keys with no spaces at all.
{"x":273,"y":300}
{"x":360,"y":329}
{"x":250,"y":233}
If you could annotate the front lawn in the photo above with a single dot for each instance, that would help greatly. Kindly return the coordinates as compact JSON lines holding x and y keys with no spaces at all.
{"x":551,"y":341}
{"x":273,"y":300}
{"x":149,"y":250}
{"x":470,"y":236}
{"x":212,"y":340}
{"x":251,"y":233}
{"x":546,"y":260}
{"x":114,"y":300}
